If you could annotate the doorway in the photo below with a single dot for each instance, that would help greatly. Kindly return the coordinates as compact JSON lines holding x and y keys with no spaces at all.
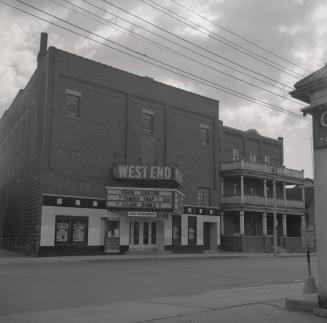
{"x":206,"y":236}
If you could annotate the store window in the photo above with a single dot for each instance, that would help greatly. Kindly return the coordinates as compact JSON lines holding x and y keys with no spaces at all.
{"x":204,"y":196}
{"x":253,"y":157}
{"x":192,"y":230}
{"x":270,"y":225}
{"x":147,"y":119}
{"x":71,"y":231}
{"x":204,"y":135}
{"x":176,"y":227}
{"x":235,"y":154}
{"x":72,"y":107}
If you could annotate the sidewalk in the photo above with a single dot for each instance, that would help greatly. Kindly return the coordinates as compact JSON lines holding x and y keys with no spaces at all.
{"x":8,"y":257}
{"x":257,"y":304}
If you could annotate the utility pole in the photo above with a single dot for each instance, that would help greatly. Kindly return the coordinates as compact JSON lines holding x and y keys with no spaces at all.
{"x":275,"y":216}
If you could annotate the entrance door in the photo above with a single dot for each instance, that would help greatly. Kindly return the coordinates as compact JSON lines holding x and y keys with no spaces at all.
{"x":112,"y":237}
{"x":206,"y":235}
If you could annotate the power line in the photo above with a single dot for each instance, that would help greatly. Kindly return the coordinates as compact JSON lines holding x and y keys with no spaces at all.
{"x":239,"y":36}
{"x":222,"y":39}
{"x":245,"y":97}
{"x":185,"y":40}
{"x":173,"y":51}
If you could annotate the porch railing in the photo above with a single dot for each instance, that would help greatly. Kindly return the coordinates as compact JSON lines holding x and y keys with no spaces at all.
{"x":266,"y":169}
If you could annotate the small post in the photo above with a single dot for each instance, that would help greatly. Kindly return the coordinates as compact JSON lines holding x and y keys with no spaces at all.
{"x":308,"y":260}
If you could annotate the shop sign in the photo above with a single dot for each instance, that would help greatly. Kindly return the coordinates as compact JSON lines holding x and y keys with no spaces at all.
{"x":146,"y":199}
{"x":145,"y":214}
{"x":137,"y":172}
{"x":320,"y":127}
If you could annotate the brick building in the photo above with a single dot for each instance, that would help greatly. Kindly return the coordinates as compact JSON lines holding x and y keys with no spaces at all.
{"x":95,"y":159}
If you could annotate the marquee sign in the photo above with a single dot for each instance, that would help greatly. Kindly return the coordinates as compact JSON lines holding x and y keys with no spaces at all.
{"x":137,"y":172}
{"x":144,"y":199}
{"x":320,"y":127}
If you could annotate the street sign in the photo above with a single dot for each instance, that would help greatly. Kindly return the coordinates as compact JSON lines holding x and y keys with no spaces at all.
{"x":308,"y":237}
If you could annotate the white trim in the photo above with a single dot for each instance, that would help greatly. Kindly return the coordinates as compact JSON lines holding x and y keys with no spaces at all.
{"x":72,"y":92}
{"x":75,"y":196}
{"x":204,"y":126}
{"x":148,"y":112}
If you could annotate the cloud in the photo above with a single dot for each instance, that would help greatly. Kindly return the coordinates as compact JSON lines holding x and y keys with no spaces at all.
{"x":294,"y":29}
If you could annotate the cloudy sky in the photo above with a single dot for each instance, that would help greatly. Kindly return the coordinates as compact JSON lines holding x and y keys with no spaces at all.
{"x":294,"y":30}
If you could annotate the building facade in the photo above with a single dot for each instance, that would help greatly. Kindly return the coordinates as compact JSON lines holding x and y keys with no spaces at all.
{"x":251,"y":166}
{"x":97,"y":160}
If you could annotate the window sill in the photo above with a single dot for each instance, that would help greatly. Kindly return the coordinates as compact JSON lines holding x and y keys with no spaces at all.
{"x":72,"y":117}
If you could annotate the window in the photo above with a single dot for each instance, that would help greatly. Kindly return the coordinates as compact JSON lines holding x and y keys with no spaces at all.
{"x":192,"y":230}
{"x":252,"y":189}
{"x":71,"y":231}
{"x":253,"y":157}
{"x":72,"y":106}
{"x":204,"y":196}
{"x":136,"y":233}
{"x":176,"y":228}
{"x":267,"y":159}
{"x":235,"y":156}
{"x":269,"y":191}
{"x":270,"y":225}
{"x":236,"y":190}
{"x":147,"y":121}
{"x":204,"y":136}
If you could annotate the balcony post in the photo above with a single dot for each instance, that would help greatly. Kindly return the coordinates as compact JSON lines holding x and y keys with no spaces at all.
{"x":264,"y":224}
{"x":302,"y":222}
{"x":222,"y":223}
{"x":242,"y":223}
{"x":265,"y":191}
{"x":284,"y":194}
{"x":284,"y":225}
{"x":242,"y":189}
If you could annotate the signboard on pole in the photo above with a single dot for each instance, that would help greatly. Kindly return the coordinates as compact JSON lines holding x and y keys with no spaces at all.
{"x":308,"y":237}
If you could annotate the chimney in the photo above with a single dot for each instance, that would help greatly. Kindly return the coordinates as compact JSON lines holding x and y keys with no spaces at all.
{"x":43,"y":46}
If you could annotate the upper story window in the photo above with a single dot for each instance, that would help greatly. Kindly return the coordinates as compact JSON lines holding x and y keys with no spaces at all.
{"x":253,"y":157}
{"x":72,"y":107}
{"x":252,"y":189}
{"x":148,"y":121}
{"x":267,"y":159}
{"x":236,"y":190}
{"x":204,"y":135}
{"x":204,"y":196}
{"x":235,"y":155}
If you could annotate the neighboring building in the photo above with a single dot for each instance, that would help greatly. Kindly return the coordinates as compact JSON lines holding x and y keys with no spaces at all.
{"x":250,"y":165}
{"x":94,"y":159}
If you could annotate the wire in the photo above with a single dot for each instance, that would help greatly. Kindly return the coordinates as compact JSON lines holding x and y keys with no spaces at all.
{"x":177,"y":53}
{"x":187,"y":41}
{"x":142,"y":59}
{"x":239,"y":36}
{"x":222,"y":39}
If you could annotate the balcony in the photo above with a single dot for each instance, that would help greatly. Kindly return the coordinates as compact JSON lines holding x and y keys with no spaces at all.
{"x":261,"y":201}
{"x":262,"y":169}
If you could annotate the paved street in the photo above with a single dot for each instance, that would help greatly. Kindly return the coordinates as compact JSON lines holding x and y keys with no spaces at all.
{"x":34,"y":287}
